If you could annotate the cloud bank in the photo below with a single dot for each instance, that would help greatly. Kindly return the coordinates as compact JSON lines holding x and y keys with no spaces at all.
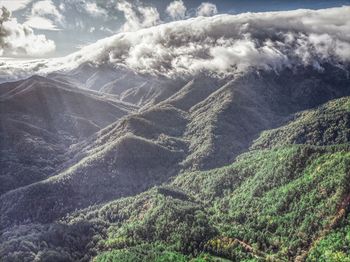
{"x":221,"y":45}
{"x":19,"y":40}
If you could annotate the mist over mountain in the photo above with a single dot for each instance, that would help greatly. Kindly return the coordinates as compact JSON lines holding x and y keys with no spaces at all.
{"x":222,"y":138}
{"x":220,"y":45}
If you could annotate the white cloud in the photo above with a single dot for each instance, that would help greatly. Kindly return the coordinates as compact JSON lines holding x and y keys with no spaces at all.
{"x":207,"y":9}
{"x":221,"y":45}
{"x":46,"y":8}
{"x":177,"y":10}
{"x":132,"y":20}
{"x":44,"y":15}
{"x":150,"y":16}
{"x":19,"y":40}
{"x":94,"y":10}
{"x":137,"y":16}
{"x":42,"y":23}
{"x":14,"y":5}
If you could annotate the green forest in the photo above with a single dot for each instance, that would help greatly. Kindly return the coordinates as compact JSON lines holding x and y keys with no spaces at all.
{"x":285,"y":199}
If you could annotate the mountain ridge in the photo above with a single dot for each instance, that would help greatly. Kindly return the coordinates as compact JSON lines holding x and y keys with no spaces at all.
{"x":220,"y":138}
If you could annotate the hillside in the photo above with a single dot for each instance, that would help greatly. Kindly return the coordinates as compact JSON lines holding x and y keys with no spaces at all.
{"x":40,"y":119}
{"x":209,"y":132}
{"x":283,"y":200}
{"x":279,"y":203}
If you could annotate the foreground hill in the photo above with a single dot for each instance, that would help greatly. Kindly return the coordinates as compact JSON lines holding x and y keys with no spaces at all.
{"x":285,"y":202}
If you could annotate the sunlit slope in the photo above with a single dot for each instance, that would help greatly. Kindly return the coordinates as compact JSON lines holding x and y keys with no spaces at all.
{"x":283,"y":203}
{"x":40,"y":119}
{"x":326,"y":125}
{"x":273,"y":203}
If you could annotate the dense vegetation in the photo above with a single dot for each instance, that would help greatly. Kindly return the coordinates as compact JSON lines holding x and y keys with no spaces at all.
{"x":270,"y":204}
{"x":279,"y":203}
{"x":145,"y":188}
{"x":334,"y":246}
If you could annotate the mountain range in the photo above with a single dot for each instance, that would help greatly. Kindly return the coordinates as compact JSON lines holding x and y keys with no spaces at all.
{"x":105,"y":162}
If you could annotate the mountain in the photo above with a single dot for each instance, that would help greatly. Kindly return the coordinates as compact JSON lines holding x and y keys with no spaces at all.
{"x":220,"y":138}
{"x":40,"y":120}
{"x":205,"y":124}
{"x":239,"y":212}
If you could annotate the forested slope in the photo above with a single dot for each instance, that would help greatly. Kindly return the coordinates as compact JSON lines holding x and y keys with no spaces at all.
{"x":283,"y":200}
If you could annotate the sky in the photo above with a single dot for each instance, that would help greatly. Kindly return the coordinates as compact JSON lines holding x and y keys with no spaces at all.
{"x":54,"y":28}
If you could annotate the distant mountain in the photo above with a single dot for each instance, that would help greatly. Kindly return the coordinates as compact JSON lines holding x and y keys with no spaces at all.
{"x":40,"y":119}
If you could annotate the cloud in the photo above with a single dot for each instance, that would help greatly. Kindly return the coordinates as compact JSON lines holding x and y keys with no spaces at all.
{"x":44,"y":15}
{"x":138,"y":16}
{"x":150,"y":16}
{"x":220,"y":45}
{"x":227,"y":44}
{"x":19,"y":40}
{"x":176,"y":10}
{"x":14,"y":5}
{"x":207,"y":9}
{"x":46,"y":7}
{"x":42,"y":23}
{"x":94,"y":10}
{"x":132,"y":20}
